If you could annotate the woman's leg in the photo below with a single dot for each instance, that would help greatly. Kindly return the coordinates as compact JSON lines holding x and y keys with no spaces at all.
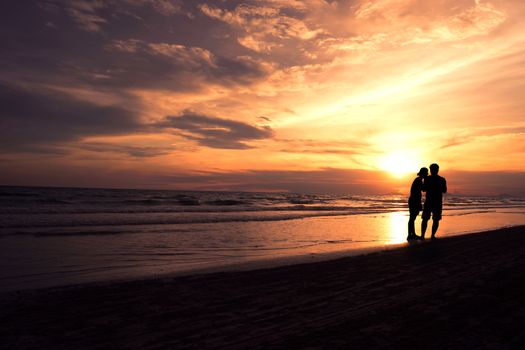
{"x":411,"y":225}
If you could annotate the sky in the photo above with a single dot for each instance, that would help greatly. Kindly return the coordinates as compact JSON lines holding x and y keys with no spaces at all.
{"x":350,"y":96}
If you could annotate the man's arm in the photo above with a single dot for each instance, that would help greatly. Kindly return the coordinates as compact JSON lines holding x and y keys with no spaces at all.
{"x":444,"y":189}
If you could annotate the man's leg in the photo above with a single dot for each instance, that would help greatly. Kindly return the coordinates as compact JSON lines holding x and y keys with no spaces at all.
{"x":424,"y":224}
{"x":435,"y":226}
{"x":436,"y":217}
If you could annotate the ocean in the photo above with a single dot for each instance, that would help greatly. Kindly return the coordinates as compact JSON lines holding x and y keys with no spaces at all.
{"x":64,"y":236}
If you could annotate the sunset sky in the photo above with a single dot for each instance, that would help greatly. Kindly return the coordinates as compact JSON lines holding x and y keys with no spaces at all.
{"x":305,"y":96}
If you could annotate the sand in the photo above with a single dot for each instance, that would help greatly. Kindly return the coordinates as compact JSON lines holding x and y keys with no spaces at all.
{"x":463,"y":292}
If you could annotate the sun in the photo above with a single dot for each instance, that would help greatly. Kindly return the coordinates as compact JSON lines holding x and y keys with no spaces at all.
{"x":400,"y":163}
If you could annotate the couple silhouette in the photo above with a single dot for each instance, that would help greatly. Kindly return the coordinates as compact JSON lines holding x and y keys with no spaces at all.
{"x":434,"y":186}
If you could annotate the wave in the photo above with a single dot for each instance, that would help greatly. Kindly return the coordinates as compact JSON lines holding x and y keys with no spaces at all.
{"x":24,"y":197}
{"x":221,"y":202}
{"x":224,"y":207}
{"x":24,"y":208}
{"x":76,"y":223}
{"x":114,"y":225}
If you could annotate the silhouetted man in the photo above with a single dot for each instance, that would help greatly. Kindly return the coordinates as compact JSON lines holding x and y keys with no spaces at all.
{"x":435,"y":186}
{"x":414,"y":201}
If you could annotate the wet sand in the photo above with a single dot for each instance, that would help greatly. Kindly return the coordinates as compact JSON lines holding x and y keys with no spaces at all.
{"x":462,"y":292}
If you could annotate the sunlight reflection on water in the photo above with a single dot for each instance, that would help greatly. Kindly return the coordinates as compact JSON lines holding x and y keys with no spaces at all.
{"x":398,"y":227}
{"x":37,"y":260}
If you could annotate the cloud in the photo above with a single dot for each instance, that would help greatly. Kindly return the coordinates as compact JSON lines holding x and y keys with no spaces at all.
{"x":478,"y":134}
{"x":165,"y":7}
{"x":176,"y":55}
{"x":39,"y":120}
{"x":264,"y":119}
{"x":262,"y":27}
{"x":132,"y":151}
{"x":486,"y":182}
{"x":327,"y":151}
{"x":310,"y":146}
{"x":177,"y":67}
{"x":138,"y":47}
{"x":92,"y":15}
{"x":374,"y":27}
{"x":319,"y":70}
{"x":328,"y":180}
{"x":216,"y":132}
{"x":32,"y":119}
{"x":84,"y":13}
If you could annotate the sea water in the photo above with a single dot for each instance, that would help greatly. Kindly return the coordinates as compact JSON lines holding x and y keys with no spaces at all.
{"x":61,"y":236}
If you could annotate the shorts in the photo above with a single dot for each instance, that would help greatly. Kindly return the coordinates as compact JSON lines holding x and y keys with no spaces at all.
{"x":432,"y":208}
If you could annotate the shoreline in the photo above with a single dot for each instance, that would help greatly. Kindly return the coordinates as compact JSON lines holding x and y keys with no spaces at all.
{"x":309,"y":258}
{"x":264,"y":263}
{"x":456,"y":292}
{"x":334,"y":238}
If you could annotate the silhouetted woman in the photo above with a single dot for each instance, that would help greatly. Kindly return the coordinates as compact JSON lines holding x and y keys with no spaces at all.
{"x":414,"y":201}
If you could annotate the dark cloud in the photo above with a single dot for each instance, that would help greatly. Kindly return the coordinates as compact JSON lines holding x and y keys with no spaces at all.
{"x":33,"y":120}
{"x":264,"y":119}
{"x":216,"y":132}
{"x":104,"y":45}
{"x":132,"y":151}
{"x":486,"y":182}
{"x":171,"y":66}
{"x":90,"y":12}
{"x":84,"y":13}
{"x":39,"y":120}
{"x":351,"y":181}
{"x":327,"y":180}
{"x":109,"y":47}
{"x":94,"y":15}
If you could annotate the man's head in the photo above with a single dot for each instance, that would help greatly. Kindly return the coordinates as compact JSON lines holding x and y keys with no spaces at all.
{"x":434,"y":169}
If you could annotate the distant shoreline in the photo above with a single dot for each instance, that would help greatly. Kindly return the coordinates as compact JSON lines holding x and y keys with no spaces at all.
{"x":247,"y":191}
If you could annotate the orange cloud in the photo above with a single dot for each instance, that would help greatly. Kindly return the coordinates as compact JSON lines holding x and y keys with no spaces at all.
{"x":272,"y":85}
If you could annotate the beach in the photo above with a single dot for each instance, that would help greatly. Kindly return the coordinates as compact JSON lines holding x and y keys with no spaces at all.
{"x":457,"y":292}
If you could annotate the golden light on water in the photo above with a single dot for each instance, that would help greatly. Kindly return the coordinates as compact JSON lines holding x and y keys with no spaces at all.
{"x":398,"y":227}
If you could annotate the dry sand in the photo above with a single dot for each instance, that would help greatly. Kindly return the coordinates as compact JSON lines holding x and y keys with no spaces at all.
{"x":464,"y":292}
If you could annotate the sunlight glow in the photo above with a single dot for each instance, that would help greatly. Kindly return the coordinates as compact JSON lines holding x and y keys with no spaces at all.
{"x":302,"y":96}
{"x":400,"y":163}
